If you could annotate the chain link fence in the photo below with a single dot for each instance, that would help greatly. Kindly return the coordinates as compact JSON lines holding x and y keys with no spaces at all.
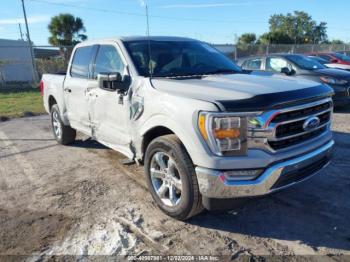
{"x":238,"y":51}
{"x":17,"y":72}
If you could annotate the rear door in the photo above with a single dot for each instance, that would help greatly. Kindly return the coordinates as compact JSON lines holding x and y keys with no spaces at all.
{"x":75,"y":88}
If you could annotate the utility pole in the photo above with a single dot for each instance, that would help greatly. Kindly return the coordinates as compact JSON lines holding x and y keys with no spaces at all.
{"x":20,"y":30}
{"x":35,"y":76}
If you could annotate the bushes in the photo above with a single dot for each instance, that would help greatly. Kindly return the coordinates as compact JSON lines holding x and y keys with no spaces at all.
{"x":51,"y":66}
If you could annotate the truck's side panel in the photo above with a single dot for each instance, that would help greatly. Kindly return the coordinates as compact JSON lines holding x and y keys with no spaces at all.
{"x":53,"y":87}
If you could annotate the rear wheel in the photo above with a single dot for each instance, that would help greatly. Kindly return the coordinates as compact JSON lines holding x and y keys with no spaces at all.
{"x":64,"y":134}
{"x":171,"y":178}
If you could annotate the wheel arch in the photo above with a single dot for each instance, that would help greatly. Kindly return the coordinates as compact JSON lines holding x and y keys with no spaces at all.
{"x":160,"y":124}
{"x":158,"y":131}
{"x":152,"y":134}
{"x":51,"y":101}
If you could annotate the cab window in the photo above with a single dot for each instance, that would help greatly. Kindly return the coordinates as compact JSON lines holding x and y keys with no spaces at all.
{"x":81,"y":62}
{"x":108,"y":60}
{"x":254,"y":64}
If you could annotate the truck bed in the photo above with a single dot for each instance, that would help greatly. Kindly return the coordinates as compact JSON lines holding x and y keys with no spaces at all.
{"x":53,"y":86}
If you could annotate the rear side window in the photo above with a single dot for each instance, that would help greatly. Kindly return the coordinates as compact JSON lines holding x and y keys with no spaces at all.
{"x":108,"y":60}
{"x":254,"y":64}
{"x":81,"y":62}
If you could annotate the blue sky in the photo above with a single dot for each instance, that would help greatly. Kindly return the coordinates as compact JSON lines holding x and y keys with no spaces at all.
{"x":219,"y":21}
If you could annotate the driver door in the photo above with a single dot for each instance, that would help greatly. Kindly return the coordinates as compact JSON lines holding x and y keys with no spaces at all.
{"x":109,"y":110}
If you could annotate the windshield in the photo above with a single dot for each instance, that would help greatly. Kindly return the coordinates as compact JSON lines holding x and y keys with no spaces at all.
{"x":178,"y":58}
{"x":342,"y":57}
{"x":305,"y":62}
{"x":319,"y":59}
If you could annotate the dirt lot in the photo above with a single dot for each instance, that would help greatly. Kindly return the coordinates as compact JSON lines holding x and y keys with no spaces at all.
{"x":79,"y":200}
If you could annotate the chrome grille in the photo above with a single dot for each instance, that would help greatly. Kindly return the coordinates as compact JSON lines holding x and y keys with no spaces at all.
{"x":289,"y":126}
{"x":301,"y":113}
{"x":296,"y":127}
{"x":284,"y":128}
{"x":281,"y":144}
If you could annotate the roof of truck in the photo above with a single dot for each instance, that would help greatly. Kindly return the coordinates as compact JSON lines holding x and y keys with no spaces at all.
{"x":155,"y":38}
{"x":141,"y":38}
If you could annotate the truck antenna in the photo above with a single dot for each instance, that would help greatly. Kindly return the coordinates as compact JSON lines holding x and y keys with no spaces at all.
{"x":149,"y":42}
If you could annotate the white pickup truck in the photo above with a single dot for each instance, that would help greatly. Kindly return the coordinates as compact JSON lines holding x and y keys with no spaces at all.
{"x":206,"y":132}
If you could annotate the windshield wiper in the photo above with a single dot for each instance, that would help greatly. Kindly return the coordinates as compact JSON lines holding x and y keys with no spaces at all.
{"x":221,"y":71}
{"x":199,"y":74}
{"x":173,"y":75}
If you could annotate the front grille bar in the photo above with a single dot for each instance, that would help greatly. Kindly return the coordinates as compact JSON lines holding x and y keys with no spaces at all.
{"x":299,"y":134}
{"x":265,"y":136}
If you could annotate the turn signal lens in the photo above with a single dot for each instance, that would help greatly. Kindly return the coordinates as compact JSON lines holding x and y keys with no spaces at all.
{"x":201,"y":125}
{"x":228,"y":133}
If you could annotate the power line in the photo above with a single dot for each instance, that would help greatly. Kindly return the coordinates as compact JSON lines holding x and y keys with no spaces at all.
{"x":161,"y":16}
{"x":140,"y":14}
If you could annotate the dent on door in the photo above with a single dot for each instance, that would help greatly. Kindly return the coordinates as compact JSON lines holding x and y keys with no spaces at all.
{"x":109,"y":120}
{"x":136,"y":108}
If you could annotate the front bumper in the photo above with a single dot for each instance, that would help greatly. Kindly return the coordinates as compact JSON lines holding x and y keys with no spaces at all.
{"x":341,"y":97}
{"x":212,"y":183}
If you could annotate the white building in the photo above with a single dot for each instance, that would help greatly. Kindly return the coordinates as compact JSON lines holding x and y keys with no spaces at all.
{"x":15,"y":61}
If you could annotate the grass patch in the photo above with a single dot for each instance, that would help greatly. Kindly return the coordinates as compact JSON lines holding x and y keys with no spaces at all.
{"x":20,"y":103}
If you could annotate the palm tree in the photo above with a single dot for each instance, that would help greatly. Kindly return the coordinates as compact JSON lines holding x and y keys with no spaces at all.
{"x":66,"y":31}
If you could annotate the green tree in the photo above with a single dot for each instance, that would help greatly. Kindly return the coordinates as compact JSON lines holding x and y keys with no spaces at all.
{"x":66,"y":31}
{"x":337,"y":42}
{"x":246,"y":44}
{"x":300,"y":27}
{"x":275,"y":37}
{"x":246,"y":39}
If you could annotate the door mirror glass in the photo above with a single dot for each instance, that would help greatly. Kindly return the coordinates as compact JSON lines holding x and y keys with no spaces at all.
{"x":113,"y":82}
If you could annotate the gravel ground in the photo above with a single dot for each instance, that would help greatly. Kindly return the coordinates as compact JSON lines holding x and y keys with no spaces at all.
{"x":79,"y":200}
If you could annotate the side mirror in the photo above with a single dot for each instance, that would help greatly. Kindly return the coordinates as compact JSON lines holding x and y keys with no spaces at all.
{"x":287,"y":71}
{"x":114,"y":82}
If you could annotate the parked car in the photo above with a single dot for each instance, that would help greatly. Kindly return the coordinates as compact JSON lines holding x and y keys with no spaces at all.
{"x":334,"y":58}
{"x":300,"y":66}
{"x":329,"y":64}
{"x":206,"y":132}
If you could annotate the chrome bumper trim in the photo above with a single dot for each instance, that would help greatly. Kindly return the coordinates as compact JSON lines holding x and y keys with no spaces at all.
{"x":212,"y":183}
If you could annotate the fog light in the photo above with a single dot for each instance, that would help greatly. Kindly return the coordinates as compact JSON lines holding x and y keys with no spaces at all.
{"x":235,"y":175}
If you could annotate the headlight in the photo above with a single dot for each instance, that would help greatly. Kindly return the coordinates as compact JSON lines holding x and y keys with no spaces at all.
{"x":333,"y":81}
{"x":225,"y":133}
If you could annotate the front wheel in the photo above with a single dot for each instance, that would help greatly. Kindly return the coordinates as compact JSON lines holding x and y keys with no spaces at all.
{"x":171,"y":178}
{"x":64,"y":134}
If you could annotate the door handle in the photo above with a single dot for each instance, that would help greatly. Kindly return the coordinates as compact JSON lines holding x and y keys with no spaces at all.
{"x":68,"y":90}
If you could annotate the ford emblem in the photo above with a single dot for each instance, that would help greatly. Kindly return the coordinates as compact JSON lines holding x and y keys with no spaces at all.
{"x":311,"y":123}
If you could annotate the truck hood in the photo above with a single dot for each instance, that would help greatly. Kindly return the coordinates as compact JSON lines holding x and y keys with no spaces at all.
{"x":244,"y":91}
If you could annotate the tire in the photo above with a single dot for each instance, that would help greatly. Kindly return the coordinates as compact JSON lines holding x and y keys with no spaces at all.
{"x":170,"y":152}
{"x":63,"y":134}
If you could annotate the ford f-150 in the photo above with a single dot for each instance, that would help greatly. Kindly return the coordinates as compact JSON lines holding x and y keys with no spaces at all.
{"x":206,"y":132}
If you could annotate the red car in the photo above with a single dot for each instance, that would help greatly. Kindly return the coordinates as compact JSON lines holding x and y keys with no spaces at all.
{"x":334,"y":58}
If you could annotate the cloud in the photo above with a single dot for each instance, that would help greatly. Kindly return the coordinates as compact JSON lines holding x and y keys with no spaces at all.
{"x":209,"y":5}
{"x":31,"y":20}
